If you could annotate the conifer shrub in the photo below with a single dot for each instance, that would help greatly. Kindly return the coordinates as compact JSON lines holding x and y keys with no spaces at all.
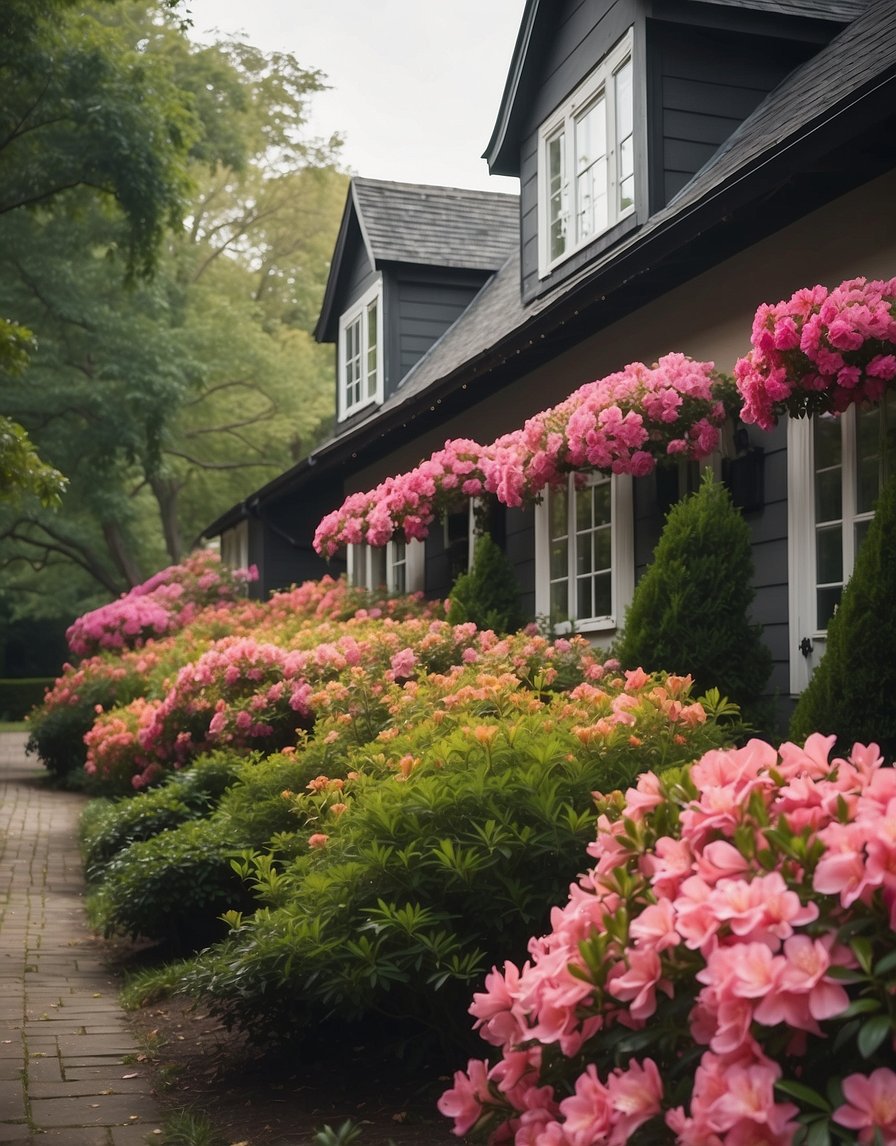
{"x":488,"y":594}
{"x":690,"y":610}
{"x":851,"y":691}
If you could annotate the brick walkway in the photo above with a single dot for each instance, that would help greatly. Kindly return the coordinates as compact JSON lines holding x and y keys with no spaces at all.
{"x":66,"y":1055}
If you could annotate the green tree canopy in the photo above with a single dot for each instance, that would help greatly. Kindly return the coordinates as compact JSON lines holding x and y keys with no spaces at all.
{"x":167,"y":400}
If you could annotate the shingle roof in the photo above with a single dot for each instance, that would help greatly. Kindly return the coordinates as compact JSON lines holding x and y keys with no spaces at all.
{"x":842,"y":10}
{"x":857,"y":58}
{"x":436,"y":226}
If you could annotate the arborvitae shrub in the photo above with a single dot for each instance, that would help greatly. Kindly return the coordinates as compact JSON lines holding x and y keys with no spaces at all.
{"x":690,"y":610}
{"x":851,"y":692}
{"x":488,"y":595}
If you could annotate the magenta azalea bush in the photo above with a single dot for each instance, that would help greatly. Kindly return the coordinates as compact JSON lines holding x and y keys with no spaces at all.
{"x":723,"y":975}
{"x":820,"y":351}
{"x":623,"y":423}
{"x":161,"y":605}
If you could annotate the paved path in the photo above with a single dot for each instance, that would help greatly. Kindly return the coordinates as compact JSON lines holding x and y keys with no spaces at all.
{"x":66,"y":1055}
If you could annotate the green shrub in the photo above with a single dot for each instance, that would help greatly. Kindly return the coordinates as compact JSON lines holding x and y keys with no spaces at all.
{"x":690,"y":610}
{"x":172,"y":888}
{"x":57,"y":726}
{"x":110,"y":826}
{"x":18,"y":696}
{"x":488,"y":595}
{"x":429,"y":874}
{"x":851,"y":691}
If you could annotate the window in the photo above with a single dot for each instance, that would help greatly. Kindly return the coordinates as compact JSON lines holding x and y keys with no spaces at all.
{"x":584,"y":554}
{"x":396,"y":567}
{"x":586,"y":160}
{"x":835,"y":470}
{"x":235,"y":546}
{"x":361,"y":353}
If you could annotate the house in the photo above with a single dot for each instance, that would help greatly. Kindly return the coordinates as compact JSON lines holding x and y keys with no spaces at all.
{"x":680,"y":163}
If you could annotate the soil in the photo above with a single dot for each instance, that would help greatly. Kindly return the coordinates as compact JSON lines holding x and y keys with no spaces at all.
{"x":257,"y":1099}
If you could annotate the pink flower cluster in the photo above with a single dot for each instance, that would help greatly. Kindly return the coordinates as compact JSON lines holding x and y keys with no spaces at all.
{"x":161,"y":605}
{"x":248,"y":693}
{"x":115,"y":756}
{"x":619,"y":424}
{"x":820,"y":351}
{"x":735,"y":920}
{"x":408,"y":503}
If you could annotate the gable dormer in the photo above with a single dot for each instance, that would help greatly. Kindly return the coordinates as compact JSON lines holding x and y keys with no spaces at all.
{"x":612,"y":106}
{"x":408,"y":261}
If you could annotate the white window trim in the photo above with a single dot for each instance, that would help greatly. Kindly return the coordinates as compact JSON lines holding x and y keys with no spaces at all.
{"x":564,"y":117}
{"x":622,"y":551}
{"x":235,"y":546}
{"x":357,"y":311}
{"x":801,"y":556}
{"x":363,"y":559}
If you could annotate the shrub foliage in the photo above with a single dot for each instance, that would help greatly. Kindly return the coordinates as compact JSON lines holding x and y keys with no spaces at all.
{"x":690,"y":610}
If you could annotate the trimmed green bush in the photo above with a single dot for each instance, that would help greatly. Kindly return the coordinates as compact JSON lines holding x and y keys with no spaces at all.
{"x":172,"y":887}
{"x":19,"y":695}
{"x":851,"y":692}
{"x":488,"y":595}
{"x":109,"y":826}
{"x":412,"y":883}
{"x":690,"y":610}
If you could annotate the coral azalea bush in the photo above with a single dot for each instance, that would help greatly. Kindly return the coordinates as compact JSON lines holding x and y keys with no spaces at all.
{"x":724,"y":973}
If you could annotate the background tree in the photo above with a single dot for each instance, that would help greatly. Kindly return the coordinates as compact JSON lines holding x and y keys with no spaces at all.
{"x":167,"y":401}
{"x":690,"y":610}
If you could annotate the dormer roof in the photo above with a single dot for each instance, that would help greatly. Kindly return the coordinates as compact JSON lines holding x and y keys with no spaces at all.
{"x":418,"y":224}
{"x":537,"y":26}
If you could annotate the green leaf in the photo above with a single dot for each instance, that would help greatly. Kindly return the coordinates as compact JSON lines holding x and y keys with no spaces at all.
{"x":886,"y":964}
{"x":803,"y":1093}
{"x":860,"y":1007}
{"x":872,"y":1034}
{"x":819,"y":1133}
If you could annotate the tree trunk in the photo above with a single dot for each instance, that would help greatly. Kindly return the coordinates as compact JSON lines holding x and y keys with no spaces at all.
{"x":118,"y":550}
{"x":166,"y":492}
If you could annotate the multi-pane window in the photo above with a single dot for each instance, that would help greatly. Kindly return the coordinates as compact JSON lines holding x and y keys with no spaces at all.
{"x":360,"y":353}
{"x":396,"y":567}
{"x":848,"y":474}
{"x":836,"y":467}
{"x":586,"y":159}
{"x":584,"y":568}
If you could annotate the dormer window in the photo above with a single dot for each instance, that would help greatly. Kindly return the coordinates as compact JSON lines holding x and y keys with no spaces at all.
{"x":586,"y":161}
{"x":361,"y":353}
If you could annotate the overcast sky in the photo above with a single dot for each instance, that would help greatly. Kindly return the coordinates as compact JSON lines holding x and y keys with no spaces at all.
{"x":415,"y":83}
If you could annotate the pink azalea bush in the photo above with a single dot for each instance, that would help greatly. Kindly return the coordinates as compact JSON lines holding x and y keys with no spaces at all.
{"x":247,"y":693}
{"x":820,"y":351}
{"x":622,"y":423}
{"x":722,"y":975}
{"x":161,"y":605}
{"x":408,"y":503}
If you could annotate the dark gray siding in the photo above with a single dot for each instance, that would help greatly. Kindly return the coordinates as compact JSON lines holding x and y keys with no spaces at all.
{"x":703,"y":84}
{"x":768,"y":529}
{"x":281,"y":532}
{"x":520,"y":549}
{"x":424,"y":308}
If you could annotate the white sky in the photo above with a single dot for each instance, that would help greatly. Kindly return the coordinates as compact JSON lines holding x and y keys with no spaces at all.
{"x":415,"y":84}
